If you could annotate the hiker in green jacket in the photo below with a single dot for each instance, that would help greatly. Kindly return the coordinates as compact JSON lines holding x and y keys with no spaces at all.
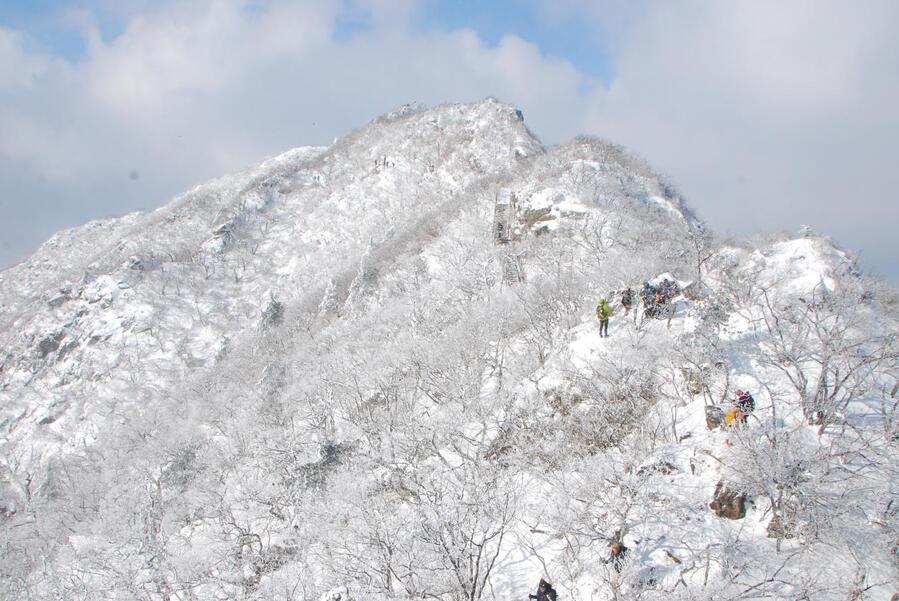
{"x":603,"y":312}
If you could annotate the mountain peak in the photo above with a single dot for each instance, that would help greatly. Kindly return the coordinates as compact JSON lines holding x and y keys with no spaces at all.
{"x":376,"y":369}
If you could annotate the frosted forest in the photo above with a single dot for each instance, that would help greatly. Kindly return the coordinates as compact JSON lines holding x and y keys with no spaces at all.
{"x":374,"y":371}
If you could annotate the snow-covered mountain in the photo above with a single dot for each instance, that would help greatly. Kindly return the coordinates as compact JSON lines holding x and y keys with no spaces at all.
{"x":374,"y":370}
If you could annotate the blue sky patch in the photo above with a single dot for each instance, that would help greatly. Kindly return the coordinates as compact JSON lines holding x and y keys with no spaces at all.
{"x":351,"y":23}
{"x":570,"y":39}
{"x":46,"y":26}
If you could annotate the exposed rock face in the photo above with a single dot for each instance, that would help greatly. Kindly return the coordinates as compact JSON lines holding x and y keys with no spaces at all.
{"x":664,"y":468}
{"x":728,"y":503}
{"x":50,"y":343}
{"x":714,"y":417}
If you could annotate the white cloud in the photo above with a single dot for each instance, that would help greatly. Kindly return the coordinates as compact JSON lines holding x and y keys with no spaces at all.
{"x":165,"y":58}
{"x":18,"y":68}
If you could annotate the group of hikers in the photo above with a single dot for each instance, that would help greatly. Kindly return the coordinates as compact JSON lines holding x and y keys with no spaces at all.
{"x":656,"y":301}
{"x":739,"y":410}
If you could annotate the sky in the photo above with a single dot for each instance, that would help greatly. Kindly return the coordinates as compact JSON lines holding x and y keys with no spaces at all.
{"x":766,"y":115}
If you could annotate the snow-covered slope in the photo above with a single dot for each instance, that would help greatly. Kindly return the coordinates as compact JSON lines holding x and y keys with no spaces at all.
{"x":374,"y":370}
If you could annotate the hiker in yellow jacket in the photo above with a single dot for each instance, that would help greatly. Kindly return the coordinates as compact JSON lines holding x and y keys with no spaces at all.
{"x":603,"y":312}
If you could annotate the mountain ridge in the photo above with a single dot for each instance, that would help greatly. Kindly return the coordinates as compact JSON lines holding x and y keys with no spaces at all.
{"x":382,"y":344}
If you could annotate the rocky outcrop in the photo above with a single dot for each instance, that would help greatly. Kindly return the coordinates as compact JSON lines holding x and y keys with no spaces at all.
{"x":50,"y":343}
{"x":714,"y":417}
{"x":728,"y":503}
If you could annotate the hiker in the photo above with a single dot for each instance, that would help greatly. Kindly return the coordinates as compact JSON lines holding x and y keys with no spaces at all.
{"x":745,"y":402}
{"x":646,"y":293}
{"x":670,"y":288}
{"x":734,"y":417}
{"x":665,"y":288}
{"x":617,"y":555}
{"x":661,"y":303}
{"x":545,"y":592}
{"x":603,"y":312}
{"x":627,"y":300}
